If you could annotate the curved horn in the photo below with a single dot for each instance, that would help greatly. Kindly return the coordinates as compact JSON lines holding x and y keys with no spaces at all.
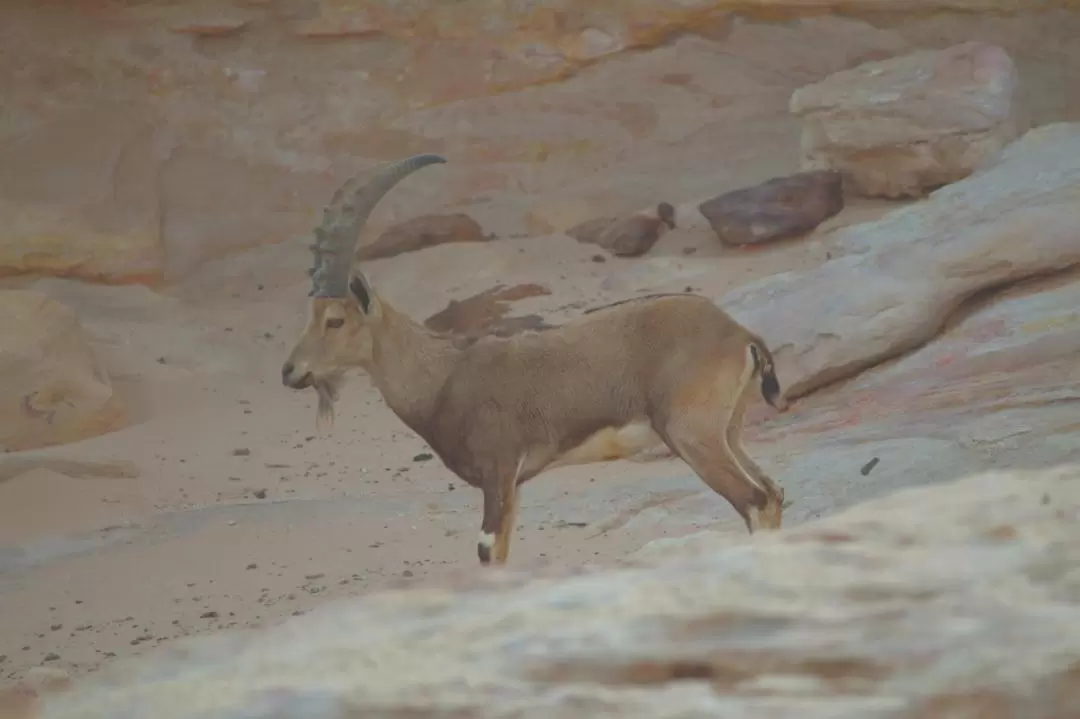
{"x":343,"y":220}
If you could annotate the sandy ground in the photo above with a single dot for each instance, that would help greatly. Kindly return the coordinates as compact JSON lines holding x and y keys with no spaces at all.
{"x":240,"y":515}
{"x":225,"y":508}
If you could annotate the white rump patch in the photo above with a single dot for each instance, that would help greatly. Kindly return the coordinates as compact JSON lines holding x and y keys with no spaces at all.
{"x":486,"y":540}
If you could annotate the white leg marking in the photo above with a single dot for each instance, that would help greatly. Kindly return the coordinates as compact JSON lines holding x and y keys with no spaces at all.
{"x":747,"y":375}
{"x":486,"y":540}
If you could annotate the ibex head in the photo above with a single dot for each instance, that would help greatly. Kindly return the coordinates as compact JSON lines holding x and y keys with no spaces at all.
{"x":343,"y":308}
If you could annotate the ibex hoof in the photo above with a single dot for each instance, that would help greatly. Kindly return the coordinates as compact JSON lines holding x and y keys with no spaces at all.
{"x":483,"y":548}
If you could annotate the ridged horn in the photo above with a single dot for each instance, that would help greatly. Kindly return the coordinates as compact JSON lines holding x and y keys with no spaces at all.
{"x":343,"y":220}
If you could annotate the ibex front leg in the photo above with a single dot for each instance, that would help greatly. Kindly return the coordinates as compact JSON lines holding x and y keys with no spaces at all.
{"x":500,"y":516}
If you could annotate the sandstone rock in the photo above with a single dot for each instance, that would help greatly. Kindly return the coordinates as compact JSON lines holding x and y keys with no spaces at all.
{"x":78,"y":194}
{"x":627,"y":236}
{"x":485,"y":313}
{"x":949,"y":601}
{"x":778,"y":209}
{"x":54,"y":389}
{"x":214,"y":204}
{"x":892,"y":283}
{"x":420,"y":232}
{"x":901,"y":126}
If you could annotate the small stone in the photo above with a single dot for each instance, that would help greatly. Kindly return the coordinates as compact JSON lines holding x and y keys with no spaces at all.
{"x":241,"y":452}
{"x":208,"y":615}
{"x":423,"y":457}
{"x":630,"y":236}
{"x":259,"y":494}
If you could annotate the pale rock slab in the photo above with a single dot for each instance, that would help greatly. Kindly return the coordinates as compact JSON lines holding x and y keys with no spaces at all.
{"x":957,"y":600}
{"x":902,"y":126}
{"x":893,"y":283}
{"x":54,"y":389}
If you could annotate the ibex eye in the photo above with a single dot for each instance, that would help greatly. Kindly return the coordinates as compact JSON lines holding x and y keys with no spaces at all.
{"x":334,"y":322}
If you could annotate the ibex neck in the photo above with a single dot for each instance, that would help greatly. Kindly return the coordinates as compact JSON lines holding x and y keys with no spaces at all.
{"x":410,"y":364}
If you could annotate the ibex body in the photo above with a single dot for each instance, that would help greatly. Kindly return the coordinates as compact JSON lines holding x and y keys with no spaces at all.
{"x":667,"y":368}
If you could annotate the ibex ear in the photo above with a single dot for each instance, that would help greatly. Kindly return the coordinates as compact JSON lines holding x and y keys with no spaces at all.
{"x":361,"y":290}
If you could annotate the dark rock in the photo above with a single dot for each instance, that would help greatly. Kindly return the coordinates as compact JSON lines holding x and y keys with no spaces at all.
{"x":485,"y":313}
{"x":778,"y":209}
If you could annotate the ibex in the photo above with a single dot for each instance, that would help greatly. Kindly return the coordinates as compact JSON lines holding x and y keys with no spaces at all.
{"x":498,"y":412}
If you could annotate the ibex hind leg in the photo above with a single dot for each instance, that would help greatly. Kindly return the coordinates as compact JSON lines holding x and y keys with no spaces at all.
{"x":698,"y":429}
{"x":734,"y":443}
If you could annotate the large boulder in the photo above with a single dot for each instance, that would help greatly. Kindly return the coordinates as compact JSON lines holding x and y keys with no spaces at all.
{"x":893,"y":283}
{"x":899,"y":127}
{"x":54,"y":390}
{"x":948,"y":601}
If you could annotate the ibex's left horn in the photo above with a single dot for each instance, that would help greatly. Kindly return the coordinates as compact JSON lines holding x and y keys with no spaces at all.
{"x":343,"y":220}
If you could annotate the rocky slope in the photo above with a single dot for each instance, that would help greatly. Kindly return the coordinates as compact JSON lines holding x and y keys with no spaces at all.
{"x":188,"y":148}
{"x":952,"y":601}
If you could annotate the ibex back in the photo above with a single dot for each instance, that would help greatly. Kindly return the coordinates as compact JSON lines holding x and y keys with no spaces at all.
{"x":620,"y":379}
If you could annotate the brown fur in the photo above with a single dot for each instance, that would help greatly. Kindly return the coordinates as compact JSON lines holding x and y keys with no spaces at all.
{"x":611,"y":383}
{"x":673,"y":369}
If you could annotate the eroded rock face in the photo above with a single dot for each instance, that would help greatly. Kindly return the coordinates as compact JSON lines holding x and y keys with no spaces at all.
{"x":420,"y":232}
{"x":135,"y":156}
{"x":778,"y":209}
{"x":899,"y":127}
{"x":83,"y":200}
{"x":894,"y":282}
{"x":951,"y":601}
{"x":53,"y":390}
